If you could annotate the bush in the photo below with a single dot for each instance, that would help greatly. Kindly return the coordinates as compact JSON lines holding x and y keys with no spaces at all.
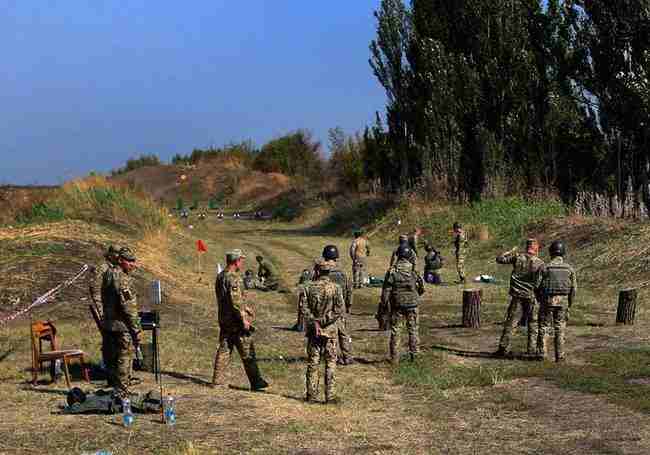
{"x":135,"y":163}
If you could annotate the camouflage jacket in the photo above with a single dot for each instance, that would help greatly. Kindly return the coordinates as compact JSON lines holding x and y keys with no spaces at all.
{"x":268,"y":271}
{"x":95,"y":282}
{"x":556,"y":300}
{"x":526,"y":273}
{"x":323,"y":304}
{"x":340,"y":278}
{"x":402,"y":287}
{"x":119,"y":302}
{"x":460,"y":245}
{"x":229,"y":289}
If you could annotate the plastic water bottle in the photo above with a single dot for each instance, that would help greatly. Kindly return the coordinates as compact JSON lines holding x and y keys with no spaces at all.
{"x":170,"y":410}
{"x":127,"y":414}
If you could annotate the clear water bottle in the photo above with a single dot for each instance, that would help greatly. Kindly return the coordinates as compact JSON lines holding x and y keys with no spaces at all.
{"x":127,"y":414}
{"x":170,"y":410}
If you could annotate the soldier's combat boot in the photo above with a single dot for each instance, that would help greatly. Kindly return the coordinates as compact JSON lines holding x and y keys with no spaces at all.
{"x":500,"y":353}
{"x":254,"y":375}
{"x":334,"y":400}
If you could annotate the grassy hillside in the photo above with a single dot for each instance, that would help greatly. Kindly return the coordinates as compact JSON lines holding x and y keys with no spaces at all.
{"x":224,"y":179}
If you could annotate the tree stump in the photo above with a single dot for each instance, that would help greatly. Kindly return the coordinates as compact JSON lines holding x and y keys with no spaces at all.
{"x":472,"y":308}
{"x":626,"y":306}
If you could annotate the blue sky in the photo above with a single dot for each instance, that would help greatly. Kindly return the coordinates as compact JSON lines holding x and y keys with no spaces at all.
{"x":87,"y":84}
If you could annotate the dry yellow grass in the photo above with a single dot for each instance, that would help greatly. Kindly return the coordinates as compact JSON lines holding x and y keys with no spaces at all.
{"x":377,"y":414}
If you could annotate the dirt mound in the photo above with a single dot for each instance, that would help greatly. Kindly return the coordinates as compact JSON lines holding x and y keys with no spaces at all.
{"x":224,"y":179}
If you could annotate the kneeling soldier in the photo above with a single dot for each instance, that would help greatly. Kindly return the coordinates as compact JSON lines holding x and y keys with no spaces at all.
{"x":324,"y":307}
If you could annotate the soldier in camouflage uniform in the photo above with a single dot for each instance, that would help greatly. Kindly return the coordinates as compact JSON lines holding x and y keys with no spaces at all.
{"x":306,"y":277}
{"x":524,"y":280}
{"x":557,"y":293}
{"x":403,"y":241}
{"x":324,"y":306}
{"x":121,"y":324}
{"x":268,"y":275}
{"x":359,"y":252}
{"x":95,"y":287}
{"x":460,"y":248}
{"x":331,"y":253}
{"x":432,"y":265}
{"x":235,"y":323}
{"x":401,"y":293}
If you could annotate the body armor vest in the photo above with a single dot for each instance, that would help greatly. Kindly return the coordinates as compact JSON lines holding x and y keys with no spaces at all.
{"x":557,"y":280}
{"x":405,"y":293}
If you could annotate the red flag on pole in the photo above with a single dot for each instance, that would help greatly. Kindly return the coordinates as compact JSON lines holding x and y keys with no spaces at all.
{"x":201,"y":247}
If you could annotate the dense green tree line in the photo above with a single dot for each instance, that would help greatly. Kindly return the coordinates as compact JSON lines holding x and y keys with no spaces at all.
{"x":497,"y":97}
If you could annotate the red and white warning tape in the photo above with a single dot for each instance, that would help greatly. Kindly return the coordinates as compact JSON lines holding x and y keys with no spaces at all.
{"x":48,"y":296}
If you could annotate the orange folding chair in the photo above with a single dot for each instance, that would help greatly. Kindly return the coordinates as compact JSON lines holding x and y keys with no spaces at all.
{"x":45,"y":331}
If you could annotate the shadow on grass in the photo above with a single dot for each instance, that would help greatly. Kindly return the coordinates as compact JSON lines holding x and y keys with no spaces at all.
{"x":187,"y":377}
{"x":6,"y":354}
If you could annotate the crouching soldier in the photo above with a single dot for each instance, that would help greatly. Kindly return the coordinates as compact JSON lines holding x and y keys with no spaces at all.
{"x":269,"y":278}
{"x":432,"y":265}
{"x":324,"y":307}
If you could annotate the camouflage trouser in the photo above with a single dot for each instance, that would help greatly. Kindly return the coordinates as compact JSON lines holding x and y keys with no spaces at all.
{"x":345,"y":342}
{"x":460,"y":266}
{"x":359,"y":271}
{"x":556,"y":314}
{"x":528,"y":314}
{"x":118,"y":358}
{"x":399,"y":319}
{"x":246,"y":349}
{"x":326,"y":347}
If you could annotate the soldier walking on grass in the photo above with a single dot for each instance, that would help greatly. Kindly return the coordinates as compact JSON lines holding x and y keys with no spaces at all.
{"x":331,"y":253}
{"x":121,"y":324}
{"x":460,"y":248}
{"x":359,"y":252}
{"x":557,"y":293}
{"x":524,"y":280}
{"x":235,"y":323}
{"x":400,"y":296}
{"x":324,"y":307}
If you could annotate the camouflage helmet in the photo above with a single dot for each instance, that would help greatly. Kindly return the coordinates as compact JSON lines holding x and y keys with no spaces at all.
{"x":557,"y":248}
{"x":127,"y":254}
{"x":404,"y":252}
{"x":259,"y":258}
{"x":457,"y":225}
{"x":330,"y":252}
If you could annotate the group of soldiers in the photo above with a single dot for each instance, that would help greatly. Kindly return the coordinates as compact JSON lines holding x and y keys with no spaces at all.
{"x":552,"y":287}
{"x":325,"y":296}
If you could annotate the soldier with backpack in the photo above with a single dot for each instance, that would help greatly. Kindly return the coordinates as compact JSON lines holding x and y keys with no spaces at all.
{"x":557,"y":292}
{"x":400,"y":297}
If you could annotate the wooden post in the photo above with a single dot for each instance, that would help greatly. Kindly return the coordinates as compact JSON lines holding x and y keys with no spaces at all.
{"x":472,"y":308}
{"x":626,"y":306}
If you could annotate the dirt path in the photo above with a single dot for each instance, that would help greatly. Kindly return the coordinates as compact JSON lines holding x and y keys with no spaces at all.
{"x":384,"y":410}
